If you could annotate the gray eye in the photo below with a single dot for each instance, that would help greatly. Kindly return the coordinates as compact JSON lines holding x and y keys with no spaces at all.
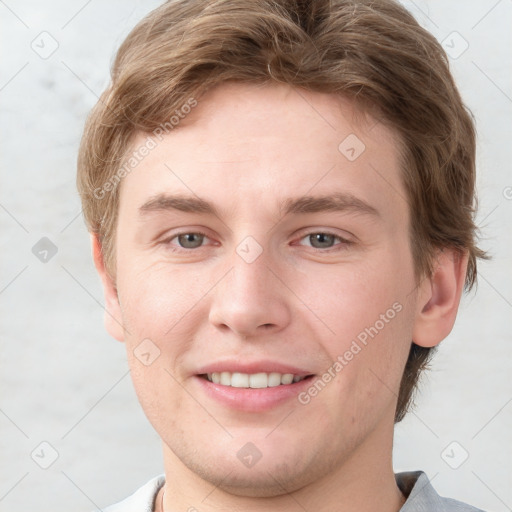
{"x":322,"y":240}
{"x":191,"y":240}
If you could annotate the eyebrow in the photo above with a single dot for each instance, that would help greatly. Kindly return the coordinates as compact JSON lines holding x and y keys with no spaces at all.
{"x":336,"y":202}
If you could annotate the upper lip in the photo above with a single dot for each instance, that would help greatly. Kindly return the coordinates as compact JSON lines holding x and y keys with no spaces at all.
{"x":252,"y":367}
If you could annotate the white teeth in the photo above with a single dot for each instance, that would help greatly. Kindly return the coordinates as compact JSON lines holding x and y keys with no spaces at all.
{"x":258,"y":380}
{"x":274,"y":379}
{"x":287,"y":378}
{"x":254,"y":380}
{"x":239,"y":380}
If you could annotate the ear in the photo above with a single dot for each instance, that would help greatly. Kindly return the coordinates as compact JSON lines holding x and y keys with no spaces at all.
{"x":113,"y":316}
{"x":439,"y":297}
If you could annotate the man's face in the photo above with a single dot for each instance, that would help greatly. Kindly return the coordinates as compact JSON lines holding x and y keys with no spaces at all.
{"x":270,"y":284}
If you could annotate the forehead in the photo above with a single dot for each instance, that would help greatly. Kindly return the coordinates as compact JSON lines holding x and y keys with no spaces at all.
{"x":245,"y":146}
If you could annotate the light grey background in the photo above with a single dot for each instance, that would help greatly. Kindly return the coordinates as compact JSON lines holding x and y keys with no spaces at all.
{"x":66,"y":383}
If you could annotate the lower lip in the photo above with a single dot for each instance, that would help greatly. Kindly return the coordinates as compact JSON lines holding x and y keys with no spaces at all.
{"x":252,"y":399}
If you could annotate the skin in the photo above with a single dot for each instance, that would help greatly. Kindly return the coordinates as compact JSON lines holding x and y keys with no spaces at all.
{"x":246,"y":148}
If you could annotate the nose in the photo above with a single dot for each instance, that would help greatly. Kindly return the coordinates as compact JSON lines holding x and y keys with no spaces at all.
{"x":252,"y":299}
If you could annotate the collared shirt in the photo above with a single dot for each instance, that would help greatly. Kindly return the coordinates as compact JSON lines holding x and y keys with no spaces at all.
{"x":415,"y":485}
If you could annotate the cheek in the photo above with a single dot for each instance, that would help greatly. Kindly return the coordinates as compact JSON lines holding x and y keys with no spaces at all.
{"x":162,"y":310}
{"x":348,"y":300}
{"x":369,"y":313}
{"x":157,"y":307}
{"x":157,"y":389}
{"x":156,"y":301}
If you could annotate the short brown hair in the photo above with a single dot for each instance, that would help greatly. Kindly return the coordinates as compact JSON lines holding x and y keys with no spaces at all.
{"x":370,"y":51}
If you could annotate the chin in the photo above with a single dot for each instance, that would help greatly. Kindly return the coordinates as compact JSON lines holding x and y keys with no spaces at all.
{"x":277,"y":471}
{"x":264,"y":481}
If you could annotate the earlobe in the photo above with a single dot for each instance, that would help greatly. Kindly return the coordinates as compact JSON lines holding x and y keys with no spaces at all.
{"x":113,"y":316}
{"x":439,"y":297}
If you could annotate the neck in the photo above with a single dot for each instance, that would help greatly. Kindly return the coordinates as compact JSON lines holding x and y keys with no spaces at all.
{"x":362,"y":482}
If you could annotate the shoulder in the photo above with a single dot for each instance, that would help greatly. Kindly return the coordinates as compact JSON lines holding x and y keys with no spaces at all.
{"x":142,"y":500}
{"x":422,"y":497}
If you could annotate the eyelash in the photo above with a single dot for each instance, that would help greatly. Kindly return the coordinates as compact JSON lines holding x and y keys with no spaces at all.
{"x":343,"y":241}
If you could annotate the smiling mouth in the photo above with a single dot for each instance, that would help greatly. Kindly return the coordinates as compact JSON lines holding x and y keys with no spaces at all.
{"x":253,"y":380}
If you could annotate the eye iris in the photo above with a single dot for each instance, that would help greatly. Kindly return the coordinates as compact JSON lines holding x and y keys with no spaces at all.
{"x":324,"y":240}
{"x":191,"y":240}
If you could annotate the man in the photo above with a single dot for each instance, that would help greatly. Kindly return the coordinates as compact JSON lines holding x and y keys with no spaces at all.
{"x":280,"y":197}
